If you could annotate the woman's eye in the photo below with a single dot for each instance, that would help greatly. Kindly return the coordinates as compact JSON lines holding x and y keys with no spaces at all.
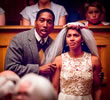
{"x":68,"y":35}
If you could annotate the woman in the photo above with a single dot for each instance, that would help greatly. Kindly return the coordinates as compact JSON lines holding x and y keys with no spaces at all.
{"x":29,"y":13}
{"x":76,"y":77}
{"x":94,"y":14}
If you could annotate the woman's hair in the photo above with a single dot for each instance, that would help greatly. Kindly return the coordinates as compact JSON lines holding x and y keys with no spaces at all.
{"x":57,"y":46}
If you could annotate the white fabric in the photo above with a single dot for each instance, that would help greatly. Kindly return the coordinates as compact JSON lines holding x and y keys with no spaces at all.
{"x":63,"y":96}
{"x":76,"y":77}
{"x":90,"y":41}
{"x":30,"y":12}
{"x":56,"y":47}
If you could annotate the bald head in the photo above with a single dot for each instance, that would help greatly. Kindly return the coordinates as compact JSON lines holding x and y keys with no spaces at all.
{"x":10,"y":75}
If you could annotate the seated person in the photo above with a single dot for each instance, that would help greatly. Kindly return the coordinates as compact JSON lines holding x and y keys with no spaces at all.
{"x":2,"y":16}
{"x":29,"y":12}
{"x":10,"y":75}
{"x":6,"y":88}
{"x":94,"y":13}
{"x":34,"y":87}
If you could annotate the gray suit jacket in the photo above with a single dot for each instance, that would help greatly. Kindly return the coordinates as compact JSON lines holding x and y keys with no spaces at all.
{"x":22,"y":55}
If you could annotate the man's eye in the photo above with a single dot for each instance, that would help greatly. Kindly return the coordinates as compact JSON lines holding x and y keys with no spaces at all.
{"x":42,"y":20}
{"x":50,"y":22}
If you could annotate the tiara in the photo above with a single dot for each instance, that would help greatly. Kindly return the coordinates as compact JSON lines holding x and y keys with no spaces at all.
{"x":75,"y":26}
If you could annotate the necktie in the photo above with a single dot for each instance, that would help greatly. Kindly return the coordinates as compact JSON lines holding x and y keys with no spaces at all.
{"x":41,"y":55}
{"x":42,"y":42}
{"x":41,"y":52}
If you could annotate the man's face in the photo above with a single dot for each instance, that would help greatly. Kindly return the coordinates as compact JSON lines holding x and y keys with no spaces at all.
{"x":44,"y":24}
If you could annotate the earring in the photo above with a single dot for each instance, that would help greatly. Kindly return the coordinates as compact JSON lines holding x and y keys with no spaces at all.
{"x":82,"y":43}
{"x":67,"y":45}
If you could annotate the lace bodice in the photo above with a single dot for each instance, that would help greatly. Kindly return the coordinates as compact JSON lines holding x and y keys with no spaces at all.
{"x":76,"y":75}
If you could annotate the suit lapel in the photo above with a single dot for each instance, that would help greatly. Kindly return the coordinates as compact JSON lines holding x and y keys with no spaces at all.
{"x":33,"y":46}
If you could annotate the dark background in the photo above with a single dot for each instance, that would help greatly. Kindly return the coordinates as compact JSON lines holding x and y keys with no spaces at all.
{"x":74,"y":8}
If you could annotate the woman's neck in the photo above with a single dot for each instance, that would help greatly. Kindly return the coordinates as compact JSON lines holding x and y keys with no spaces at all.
{"x":76,"y":53}
{"x":44,"y":5}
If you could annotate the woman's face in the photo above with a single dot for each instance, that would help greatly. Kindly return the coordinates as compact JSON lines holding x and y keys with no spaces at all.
{"x":73,"y":39}
{"x":93,"y":15}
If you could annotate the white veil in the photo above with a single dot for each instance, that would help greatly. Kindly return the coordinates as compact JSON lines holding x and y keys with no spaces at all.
{"x":56,"y":47}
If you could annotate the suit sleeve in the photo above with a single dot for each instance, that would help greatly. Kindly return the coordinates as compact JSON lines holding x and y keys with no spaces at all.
{"x":15,"y":60}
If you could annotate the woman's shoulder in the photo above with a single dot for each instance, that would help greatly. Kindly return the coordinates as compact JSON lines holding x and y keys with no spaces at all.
{"x":58,"y":61}
{"x":96,"y":62}
{"x":58,"y":58}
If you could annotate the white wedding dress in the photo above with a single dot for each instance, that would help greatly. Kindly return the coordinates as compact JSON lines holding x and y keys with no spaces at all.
{"x":76,"y":78}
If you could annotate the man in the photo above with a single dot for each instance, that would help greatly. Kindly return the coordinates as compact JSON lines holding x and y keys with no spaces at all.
{"x":23,"y":52}
{"x":31,"y":87}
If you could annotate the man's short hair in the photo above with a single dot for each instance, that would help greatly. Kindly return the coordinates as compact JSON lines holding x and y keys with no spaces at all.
{"x":45,"y":10}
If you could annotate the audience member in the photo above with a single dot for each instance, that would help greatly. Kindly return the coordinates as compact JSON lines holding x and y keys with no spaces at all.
{"x":8,"y":80}
{"x":23,"y":52}
{"x":10,"y":75}
{"x":34,"y":87}
{"x":77,"y":73}
{"x":95,"y":14}
{"x":2,"y":16}
{"x":29,"y":12}
{"x":6,"y":88}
